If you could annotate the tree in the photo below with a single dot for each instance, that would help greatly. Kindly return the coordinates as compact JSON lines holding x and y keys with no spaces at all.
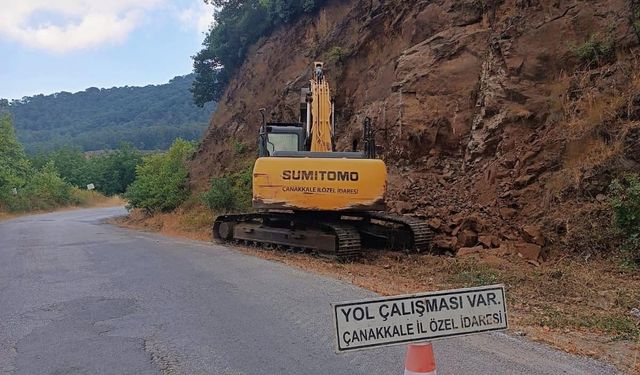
{"x":161,"y":179}
{"x":22,"y":187}
{"x":239,"y":24}
{"x":113,"y":172}
{"x":149,"y":117}
{"x":70,"y":163}
{"x":14,"y":165}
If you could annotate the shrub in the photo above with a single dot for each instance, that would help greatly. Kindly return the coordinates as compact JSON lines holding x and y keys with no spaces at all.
{"x":626,"y":207}
{"x":44,"y":190}
{"x":161,"y":180}
{"x":239,"y":148}
{"x":82,"y":197}
{"x":229,"y":193}
{"x":598,"y":49}
{"x":335,"y":55}
{"x":220,"y":197}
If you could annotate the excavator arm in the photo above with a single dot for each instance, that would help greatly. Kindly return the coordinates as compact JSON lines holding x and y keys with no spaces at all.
{"x":321,"y":112}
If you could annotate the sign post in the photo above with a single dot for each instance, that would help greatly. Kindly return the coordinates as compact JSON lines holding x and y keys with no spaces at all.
{"x":421,"y":317}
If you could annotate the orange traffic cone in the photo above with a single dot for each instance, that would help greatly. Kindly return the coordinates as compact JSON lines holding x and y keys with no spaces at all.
{"x":420,"y":360}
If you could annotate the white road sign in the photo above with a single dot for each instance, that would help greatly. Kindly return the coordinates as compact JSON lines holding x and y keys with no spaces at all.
{"x":418,"y":317}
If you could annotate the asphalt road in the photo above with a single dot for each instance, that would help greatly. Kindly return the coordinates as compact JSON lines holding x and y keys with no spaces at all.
{"x":78,"y":296}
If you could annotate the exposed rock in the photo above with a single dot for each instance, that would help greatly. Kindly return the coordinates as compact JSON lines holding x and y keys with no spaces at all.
{"x":523,"y":181}
{"x":489,"y":241}
{"x":528,"y":251}
{"x":507,"y":212}
{"x":533,"y":233}
{"x":445,"y":243}
{"x":434,"y":223}
{"x":405,"y":207}
{"x":467,"y":238}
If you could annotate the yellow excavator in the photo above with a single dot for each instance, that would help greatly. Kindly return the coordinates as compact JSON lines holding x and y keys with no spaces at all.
{"x":310,"y":197}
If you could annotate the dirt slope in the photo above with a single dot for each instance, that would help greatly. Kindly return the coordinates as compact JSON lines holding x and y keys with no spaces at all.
{"x":502,"y":122}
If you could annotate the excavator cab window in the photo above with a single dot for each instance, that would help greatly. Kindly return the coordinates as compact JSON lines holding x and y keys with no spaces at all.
{"x":282,"y":137}
{"x":282,"y":142}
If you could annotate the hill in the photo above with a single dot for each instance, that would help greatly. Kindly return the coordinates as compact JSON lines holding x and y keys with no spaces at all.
{"x":489,"y":123}
{"x":149,"y":117}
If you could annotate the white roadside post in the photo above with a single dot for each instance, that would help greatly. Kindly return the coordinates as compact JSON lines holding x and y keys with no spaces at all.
{"x":418,"y":318}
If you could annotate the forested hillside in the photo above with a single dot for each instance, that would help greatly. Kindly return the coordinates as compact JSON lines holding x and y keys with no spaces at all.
{"x":149,"y":117}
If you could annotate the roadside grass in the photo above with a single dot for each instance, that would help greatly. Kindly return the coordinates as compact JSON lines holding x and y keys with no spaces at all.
{"x":92,"y":198}
{"x":79,"y":199}
{"x":619,"y":327}
{"x":471,"y":274}
{"x":191,"y":220}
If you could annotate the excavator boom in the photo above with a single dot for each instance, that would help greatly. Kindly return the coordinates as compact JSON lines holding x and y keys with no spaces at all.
{"x":321,"y":112}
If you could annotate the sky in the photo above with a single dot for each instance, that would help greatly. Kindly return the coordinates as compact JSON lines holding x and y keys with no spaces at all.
{"x":49,"y":46}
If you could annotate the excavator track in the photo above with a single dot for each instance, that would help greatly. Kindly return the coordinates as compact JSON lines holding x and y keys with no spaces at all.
{"x":332,"y":236}
{"x":285,"y":231}
{"x":420,"y":233}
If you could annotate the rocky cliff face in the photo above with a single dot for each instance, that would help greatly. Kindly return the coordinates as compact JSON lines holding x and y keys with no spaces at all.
{"x":500,"y":121}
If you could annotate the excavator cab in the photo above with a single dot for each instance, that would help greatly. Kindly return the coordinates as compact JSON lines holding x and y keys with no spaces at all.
{"x":282,"y":137}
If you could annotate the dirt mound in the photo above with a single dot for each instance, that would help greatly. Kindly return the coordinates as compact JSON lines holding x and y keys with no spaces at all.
{"x":502,"y":122}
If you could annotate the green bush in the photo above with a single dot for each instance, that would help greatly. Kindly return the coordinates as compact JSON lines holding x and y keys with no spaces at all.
{"x":43,"y":190}
{"x":161,"y":180}
{"x":46,"y":189}
{"x":239,"y":148}
{"x":335,"y":55}
{"x":626,"y":208}
{"x":220,"y":197}
{"x":230,"y":193}
{"x":598,"y":49}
